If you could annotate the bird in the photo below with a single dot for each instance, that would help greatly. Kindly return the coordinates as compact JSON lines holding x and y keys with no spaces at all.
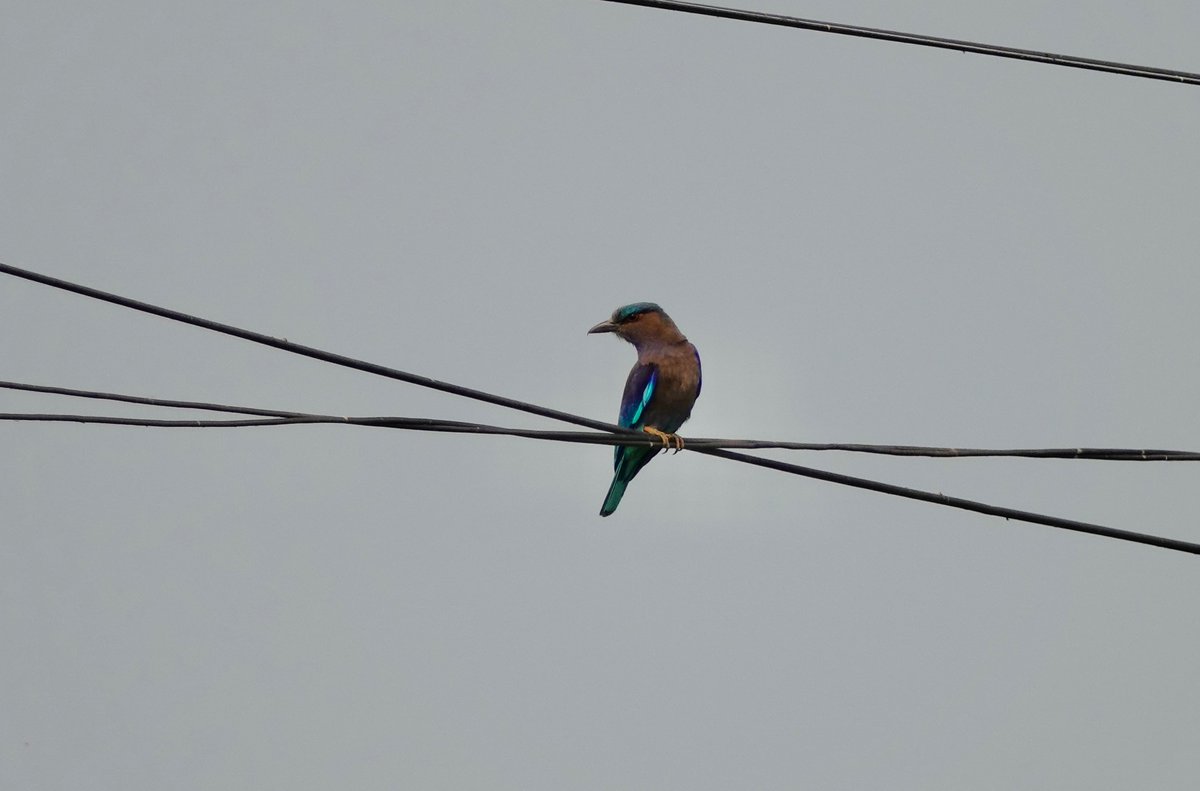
{"x":659,"y":393}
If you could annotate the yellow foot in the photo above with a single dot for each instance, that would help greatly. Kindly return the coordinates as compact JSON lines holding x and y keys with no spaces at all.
{"x":668,"y":440}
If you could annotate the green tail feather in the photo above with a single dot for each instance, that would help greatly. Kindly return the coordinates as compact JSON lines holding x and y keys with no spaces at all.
{"x":630,"y":461}
{"x":613,"y":498}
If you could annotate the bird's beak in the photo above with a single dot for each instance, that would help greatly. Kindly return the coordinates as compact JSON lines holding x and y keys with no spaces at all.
{"x":604,"y":326}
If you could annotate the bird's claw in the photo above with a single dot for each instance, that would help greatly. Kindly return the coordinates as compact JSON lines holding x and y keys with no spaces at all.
{"x":668,"y":440}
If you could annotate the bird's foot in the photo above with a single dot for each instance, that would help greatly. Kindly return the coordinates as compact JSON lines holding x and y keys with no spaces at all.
{"x":668,"y":440}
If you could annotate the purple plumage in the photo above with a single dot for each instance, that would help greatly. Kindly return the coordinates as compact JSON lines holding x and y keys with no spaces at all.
{"x":660,"y":390}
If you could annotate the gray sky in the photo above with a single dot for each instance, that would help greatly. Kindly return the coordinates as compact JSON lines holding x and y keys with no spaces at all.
{"x":867,"y":242}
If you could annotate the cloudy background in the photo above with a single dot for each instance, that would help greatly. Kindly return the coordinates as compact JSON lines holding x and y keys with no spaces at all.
{"x":868,"y":242}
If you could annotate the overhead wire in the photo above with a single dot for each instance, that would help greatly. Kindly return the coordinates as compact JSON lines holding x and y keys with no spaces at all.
{"x":616,"y":434}
{"x":593,"y":438}
{"x":1034,"y":56}
{"x":311,"y":352}
{"x":421,"y":424}
{"x":795,"y":469}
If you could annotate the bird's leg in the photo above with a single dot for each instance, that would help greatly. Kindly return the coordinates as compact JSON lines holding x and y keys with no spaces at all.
{"x":662,"y":435}
{"x":668,"y":440}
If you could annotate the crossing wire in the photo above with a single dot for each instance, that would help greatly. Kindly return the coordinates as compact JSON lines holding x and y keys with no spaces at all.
{"x":1034,"y":56}
{"x":284,"y":418}
{"x":511,"y":403}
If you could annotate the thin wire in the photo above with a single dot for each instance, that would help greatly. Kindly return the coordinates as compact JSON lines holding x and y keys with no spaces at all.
{"x":408,"y":423}
{"x":163,"y":402}
{"x":967,"y":505}
{"x":160,"y":423}
{"x":308,"y":351}
{"x":795,"y":469}
{"x":433,"y":424}
{"x":1034,"y":56}
{"x":424,"y":424}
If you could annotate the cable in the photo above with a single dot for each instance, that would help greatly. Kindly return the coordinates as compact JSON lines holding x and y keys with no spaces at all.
{"x":424,"y":424}
{"x":795,"y":469}
{"x":160,"y":423}
{"x":308,"y":351}
{"x":409,"y":423}
{"x":432,"y":424}
{"x":148,"y":401}
{"x":1034,"y":56}
{"x":967,"y":505}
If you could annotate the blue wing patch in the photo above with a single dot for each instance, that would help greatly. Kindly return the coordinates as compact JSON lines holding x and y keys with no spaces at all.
{"x":638,"y":392}
{"x":639,"y":389}
{"x":647,"y":393}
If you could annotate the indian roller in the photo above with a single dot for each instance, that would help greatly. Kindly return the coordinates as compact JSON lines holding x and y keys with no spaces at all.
{"x":660,"y":390}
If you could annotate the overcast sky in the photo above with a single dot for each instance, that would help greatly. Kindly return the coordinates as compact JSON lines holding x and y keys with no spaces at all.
{"x":867,"y":242}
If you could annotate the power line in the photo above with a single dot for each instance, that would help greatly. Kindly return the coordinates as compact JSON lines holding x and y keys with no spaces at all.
{"x":638,"y":438}
{"x":424,"y":424}
{"x":30,"y":417}
{"x":273,"y":418}
{"x":308,"y":351}
{"x":966,"y":505}
{"x":794,"y":469}
{"x":163,"y":402}
{"x":1034,"y":56}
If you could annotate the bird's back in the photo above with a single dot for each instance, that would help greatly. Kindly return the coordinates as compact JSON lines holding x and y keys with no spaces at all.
{"x":677,"y":387}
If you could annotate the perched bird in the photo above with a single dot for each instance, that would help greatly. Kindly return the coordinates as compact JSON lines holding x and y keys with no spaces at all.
{"x":659,"y":392}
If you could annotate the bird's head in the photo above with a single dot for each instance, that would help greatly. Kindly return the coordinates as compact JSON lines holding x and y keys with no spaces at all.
{"x":640,"y":323}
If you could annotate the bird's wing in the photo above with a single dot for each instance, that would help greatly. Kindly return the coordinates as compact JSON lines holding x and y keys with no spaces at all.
{"x":639,"y":389}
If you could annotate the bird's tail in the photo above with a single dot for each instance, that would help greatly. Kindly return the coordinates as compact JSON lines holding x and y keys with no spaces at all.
{"x":613,"y":498}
